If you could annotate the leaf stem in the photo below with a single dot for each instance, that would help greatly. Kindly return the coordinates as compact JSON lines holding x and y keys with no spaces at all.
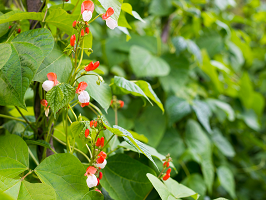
{"x":33,"y":157}
{"x":108,"y":141}
{"x":89,"y":150}
{"x":73,"y":112}
{"x":25,"y":118}
{"x":13,"y":118}
{"x":96,"y":108}
{"x":82,"y":153}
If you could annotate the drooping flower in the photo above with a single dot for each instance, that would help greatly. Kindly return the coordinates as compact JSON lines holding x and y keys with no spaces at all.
{"x":110,"y":22}
{"x":44,"y":103}
{"x":87,"y":8}
{"x":51,"y":82}
{"x":92,"y":66}
{"x":101,"y":161}
{"x":92,"y":180}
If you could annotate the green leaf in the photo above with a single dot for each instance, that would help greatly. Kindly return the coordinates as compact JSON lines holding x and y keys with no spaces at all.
{"x":88,"y":43}
{"x":160,"y":8}
{"x":14,"y":157}
{"x":152,"y":124}
{"x":210,"y":70}
{"x":226,"y":178}
{"x":223,"y":144}
{"x":100,"y":93}
{"x":93,"y":195}
{"x":123,"y":86}
{"x":20,"y":15}
{"x":42,"y":143}
{"x":78,"y":128}
{"x":143,"y":63}
{"x":194,"y":49}
{"x":36,"y":191}
{"x":59,"y":96}
{"x":61,"y":19}
{"x":128,"y":8}
{"x":131,"y":140}
{"x":28,"y":51}
{"x":152,"y":151}
{"x":176,"y":109}
{"x":203,"y":113}
{"x":65,"y":173}
{"x":3,"y":31}
{"x":221,"y":199}
{"x":56,"y":62}
{"x":171,"y":189}
{"x":122,"y":21}
{"x":115,"y":4}
{"x":216,"y":104}
{"x":194,"y":182}
{"x":180,"y":44}
{"x":200,"y":145}
{"x":147,"y":89}
{"x":122,"y":170}
{"x":21,"y":190}
{"x":5,"y":53}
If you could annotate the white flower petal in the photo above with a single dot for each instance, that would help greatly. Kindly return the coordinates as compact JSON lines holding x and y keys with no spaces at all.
{"x":84,"y":97}
{"x":87,"y":15}
{"x":92,"y":181}
{"x":102,"y":165}
{"x":47,"y":112}
{"x":111,"y":23}
{"x":47,"y":85}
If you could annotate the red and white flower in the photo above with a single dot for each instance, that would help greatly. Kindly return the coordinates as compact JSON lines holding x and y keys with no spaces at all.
{"x":84,"y":97}
{"x":51,"y":82}
{"x":110,"y":22}
{"x":92,"y":180}
{"x":87,"y":8}
{"x":44,"y":103}
{"x":101,"y":161}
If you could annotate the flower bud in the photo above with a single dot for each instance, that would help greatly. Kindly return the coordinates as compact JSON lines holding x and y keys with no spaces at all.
{"x":167,"y":176}
{"x":74,"y":24}
{"x":92,"y":181}
{"x":100,"y":175}
{"x":87,"y":30}
{"x":82,"y":33}
{"x":87,"y":132}
{"x":19,"y":30}
{"x":48,"y":85}
{"x":121,"y":103}
{"x":73,"y":40}
{"x":168,"y":171}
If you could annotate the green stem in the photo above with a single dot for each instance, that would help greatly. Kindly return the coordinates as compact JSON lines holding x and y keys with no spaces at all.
{"x":73,"y":112}
{"x":95,"y":18}
{"x":26,"y":175}
{"x":113,"y":151}
{"x":89,"y":150}
{"x":108,"y":141}
{"x":96,"y":108}
{"x":13,"y":118}
{"x":25,"y":118}
{"x":184,"y":168}
{"x":33,"y":157}
{"x":75,"y":7}
{"x":85,"y":75}
{"x":61,"y":142}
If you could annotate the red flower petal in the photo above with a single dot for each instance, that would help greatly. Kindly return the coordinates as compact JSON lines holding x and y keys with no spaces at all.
{"x":72,"y":40}
{"x":102,"y":154}
{"x":44,"y":103}
{"x":166,"y":177}
{"x":168,"y":171}
{"x":102,"y":141}
{"x":100,"y":160}
{"x":110,"y":11}
{"x":82,"y":32}
{"x":81,"y":87}
{"x":100,"y":175}
{"x":87,"y":30}
{"x":91,"y":170}
{"x":98,"y":143}
{"x":85,"y":104}
{"x":87,"y":5}
{"x":89,"y":67}
{"x":87,"y":132}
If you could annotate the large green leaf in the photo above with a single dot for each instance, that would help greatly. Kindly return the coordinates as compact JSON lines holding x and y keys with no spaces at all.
{"x":100,"y":93}
{"x":56,"y":62}
{"x":152,"y":124}
{"x":176,"y":109}
{"x":128,"y":8}
{"x":194,"y":182}
{"x":147,"y":89}
{"x":217,"y":104}
{"x":200,"y":145}
{"x":145,"y":64}
{"x":61,"y":19}
{"x":171,"y":189}
{"x":222,"y":143}
{"x":5,"y":53}
{"x":131,"y":140}
{"x":160,"y":8}
{"x":124,"y":178}
{"x":203,"y":113}
{"x":19,"y":15}
{"x":123,"y":86}
{"x":115,"y":4}
{"x":65,"y":173}
{"x":14,"y":157}
{"x":226,"y":178}
{"x":93,"y":195}
{"x":21,"y":190}
{"x":59,"y":96}
{"x":28,"y":51}
{"x":3,"y":29}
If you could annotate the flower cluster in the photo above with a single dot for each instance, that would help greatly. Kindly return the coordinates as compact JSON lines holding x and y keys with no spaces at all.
{"x":166,"y":164}
{"x":117,"y":103}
